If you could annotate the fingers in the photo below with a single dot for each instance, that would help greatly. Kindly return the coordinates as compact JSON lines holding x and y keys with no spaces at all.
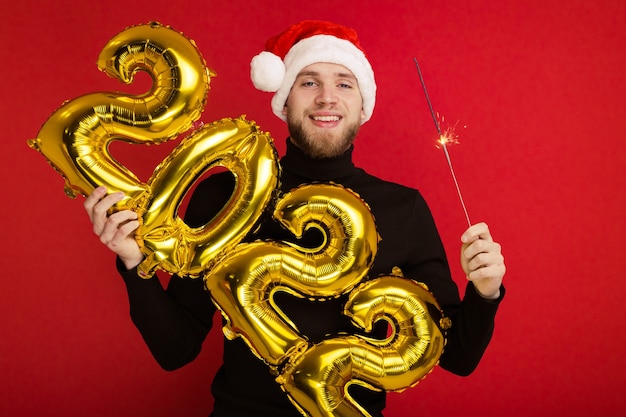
{"x":481,"y":257}
{"x":116,"y":230}
{"x":117,"y":227}
{"x":111,"y":228}
{"x":493,"y":272}
{"x":482,"y":253}
{"x":98,"y":205}
{"x":93,"y":199}
{"x":484,"y":259}
{"x":475,"y":232}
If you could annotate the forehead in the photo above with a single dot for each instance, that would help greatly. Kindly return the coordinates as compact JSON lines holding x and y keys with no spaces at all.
{"x":326,"y":69}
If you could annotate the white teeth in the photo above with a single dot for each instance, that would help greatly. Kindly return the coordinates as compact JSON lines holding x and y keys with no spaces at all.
{"x":326,"y":118}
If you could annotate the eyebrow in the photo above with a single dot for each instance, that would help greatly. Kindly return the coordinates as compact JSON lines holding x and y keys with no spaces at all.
{"x":316,"y":74}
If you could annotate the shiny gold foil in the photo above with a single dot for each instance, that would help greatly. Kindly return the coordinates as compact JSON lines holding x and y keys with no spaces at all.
{"x":76,"y":137}
{"x":243,"y":282}
{"x":317,"y":379}
{"x":168,"y":242}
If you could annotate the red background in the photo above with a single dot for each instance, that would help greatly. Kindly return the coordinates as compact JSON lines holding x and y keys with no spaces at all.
{"x":540,"y":86}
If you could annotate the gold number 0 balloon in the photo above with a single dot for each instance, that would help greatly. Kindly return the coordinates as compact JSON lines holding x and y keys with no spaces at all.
{"x":235,"y":144}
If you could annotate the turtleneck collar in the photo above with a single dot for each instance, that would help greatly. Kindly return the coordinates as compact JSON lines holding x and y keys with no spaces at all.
{"x":298,"y":163}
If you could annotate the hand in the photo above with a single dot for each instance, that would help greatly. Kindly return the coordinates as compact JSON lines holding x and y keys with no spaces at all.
{"x":116,"y":230}
{"x":482,"y":260}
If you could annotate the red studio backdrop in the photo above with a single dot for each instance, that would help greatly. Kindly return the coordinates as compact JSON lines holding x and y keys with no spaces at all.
{"x":536,"y":91}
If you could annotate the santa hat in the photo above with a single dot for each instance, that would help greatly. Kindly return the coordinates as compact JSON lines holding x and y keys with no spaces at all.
{"x":306,"y":43}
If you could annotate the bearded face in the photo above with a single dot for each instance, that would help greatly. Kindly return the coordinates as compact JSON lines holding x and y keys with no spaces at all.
{"x":324,"y":110}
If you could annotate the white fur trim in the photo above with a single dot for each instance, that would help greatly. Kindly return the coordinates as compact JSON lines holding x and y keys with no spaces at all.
{"x":267,"y":71}
{"x":326,"y":48}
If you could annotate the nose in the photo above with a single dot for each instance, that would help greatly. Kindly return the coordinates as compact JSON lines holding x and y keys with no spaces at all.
{"x":327,"y":95}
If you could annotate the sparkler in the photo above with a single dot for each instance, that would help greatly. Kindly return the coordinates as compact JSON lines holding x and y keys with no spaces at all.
{"x":444,"y":138}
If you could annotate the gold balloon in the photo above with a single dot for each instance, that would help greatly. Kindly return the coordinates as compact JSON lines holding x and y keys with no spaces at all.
{"x":242,"y":283}
{"x":76,"y":137}
{"x":235,"y":144}
{"x":317,"y":379}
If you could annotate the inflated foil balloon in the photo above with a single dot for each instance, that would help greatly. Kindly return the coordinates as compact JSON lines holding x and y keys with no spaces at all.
{"x":168,"y":242}
{"x":76,"y":137}
{"x":243,"y":282}
{"x":317,"y":379}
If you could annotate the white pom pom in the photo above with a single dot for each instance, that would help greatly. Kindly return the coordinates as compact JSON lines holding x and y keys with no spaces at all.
{"x":267,"y":71}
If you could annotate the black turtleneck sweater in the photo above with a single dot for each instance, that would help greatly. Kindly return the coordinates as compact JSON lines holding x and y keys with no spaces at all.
{"x":174,"y":322}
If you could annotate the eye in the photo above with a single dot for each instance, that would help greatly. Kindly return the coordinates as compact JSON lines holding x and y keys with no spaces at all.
{"x":346,"y":83}
{"x":309,"y":83}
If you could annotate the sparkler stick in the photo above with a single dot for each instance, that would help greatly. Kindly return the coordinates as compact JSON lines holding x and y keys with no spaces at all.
{"x":444,"y":138}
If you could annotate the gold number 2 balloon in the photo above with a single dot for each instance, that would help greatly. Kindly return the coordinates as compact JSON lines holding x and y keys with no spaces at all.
{"x":76,"y":137}
{"x":317,"y":379}
{"x":243,"y":282}
{"x":243,"y":277}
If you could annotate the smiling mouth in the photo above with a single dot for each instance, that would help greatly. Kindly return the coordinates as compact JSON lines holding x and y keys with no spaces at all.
{"x":326,"y":118}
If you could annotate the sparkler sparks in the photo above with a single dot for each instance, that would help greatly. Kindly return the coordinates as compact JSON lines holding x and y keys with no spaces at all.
{"x":445,"y":138}
{"x":448,"y":136}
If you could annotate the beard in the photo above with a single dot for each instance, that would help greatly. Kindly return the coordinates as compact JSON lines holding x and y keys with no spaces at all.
{"x":321,"y":144}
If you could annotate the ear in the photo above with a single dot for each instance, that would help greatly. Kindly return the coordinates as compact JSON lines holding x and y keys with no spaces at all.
{"x":284,"y":112}
{"x":362,"y":116}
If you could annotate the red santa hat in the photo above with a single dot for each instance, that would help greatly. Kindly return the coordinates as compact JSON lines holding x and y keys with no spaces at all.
{"x":306,"y":43}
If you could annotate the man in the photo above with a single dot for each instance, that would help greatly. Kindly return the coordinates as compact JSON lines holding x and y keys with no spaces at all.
{"x":325,"y":90}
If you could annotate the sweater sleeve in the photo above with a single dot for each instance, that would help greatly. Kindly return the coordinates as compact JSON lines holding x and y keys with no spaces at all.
{"x":472,"y":318}
{"x":174,"y":321}
{"x":472,"y":327}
